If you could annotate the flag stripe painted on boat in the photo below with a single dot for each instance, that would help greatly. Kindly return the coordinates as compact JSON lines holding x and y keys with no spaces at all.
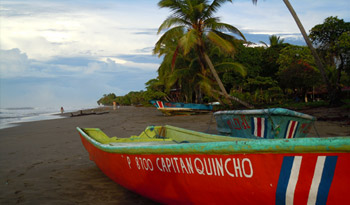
{"x":293,"y":179}
{"x":283,"y":180}
{"x":259,"y":128}
{"x":292,"y":127}
{"x":316,"y":180}
{"x":160,"y":104}
{"x":326,"y":179}
{"x":291,"y":173}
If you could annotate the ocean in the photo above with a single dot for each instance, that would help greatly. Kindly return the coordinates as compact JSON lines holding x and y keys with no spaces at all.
{"x":10,"y":117}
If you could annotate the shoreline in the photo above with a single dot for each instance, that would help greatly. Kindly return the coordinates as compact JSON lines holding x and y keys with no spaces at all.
{"x":43,"y":114}
{"x":45,"y":161}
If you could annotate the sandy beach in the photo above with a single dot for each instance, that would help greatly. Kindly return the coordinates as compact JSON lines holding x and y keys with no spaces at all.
{"x":45,"y":162}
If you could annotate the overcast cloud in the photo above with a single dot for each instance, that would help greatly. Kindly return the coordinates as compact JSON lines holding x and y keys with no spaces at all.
{"x":72,"y":52}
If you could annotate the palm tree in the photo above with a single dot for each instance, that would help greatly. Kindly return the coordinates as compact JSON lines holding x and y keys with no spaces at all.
{"x":274,"y":41}
{"x":195,"y":18}
{"x":184,"y":77}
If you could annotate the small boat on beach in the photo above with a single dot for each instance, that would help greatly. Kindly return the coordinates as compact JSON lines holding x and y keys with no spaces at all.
{"x":178,"y":108}
{"x":172,"y":165}
{"x":264,"y":123}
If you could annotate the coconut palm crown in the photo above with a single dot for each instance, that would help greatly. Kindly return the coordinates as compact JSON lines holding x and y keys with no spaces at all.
{"x":195,"y":20}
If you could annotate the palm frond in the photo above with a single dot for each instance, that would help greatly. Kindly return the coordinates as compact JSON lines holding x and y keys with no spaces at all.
{"x":227,"y":37}
{"x":172,"y":21}
{"x":231,"y":66}
{"x":199,"y":7}
{"x":173,"y":33}
{"x":225,"y":45}
{"x":214,"y":6}
{"x":180,"y":76}
{"x":206,"y":84}
{"x":265,"y":44}
{"x":188,"y":41}
{"x":211,"y":21}
{"x":174,"y":5}
{"x":194,"y":65}
{"x":275,"y":40}
{"x":224,"y":27}
{"x":180,"y":8}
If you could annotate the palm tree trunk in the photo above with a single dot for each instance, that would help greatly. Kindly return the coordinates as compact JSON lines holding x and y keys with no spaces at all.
{"x":331,"y":92}
{"x":223,"y":90}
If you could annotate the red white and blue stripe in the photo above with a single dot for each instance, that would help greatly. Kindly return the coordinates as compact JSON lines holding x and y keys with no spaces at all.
{"x":295,"y":175}
{"x":259,"y":126}
{"x":291,"y":130}
{"x":160,"y":104}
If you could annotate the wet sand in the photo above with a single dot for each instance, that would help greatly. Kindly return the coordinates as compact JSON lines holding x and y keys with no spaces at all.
{"x":45,"y":163}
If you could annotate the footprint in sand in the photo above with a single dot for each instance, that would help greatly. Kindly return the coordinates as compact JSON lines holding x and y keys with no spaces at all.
{"x":33,"y":165}
{"x":26,"y":185}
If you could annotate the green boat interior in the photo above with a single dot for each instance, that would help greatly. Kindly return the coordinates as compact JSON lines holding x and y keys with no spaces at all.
{"x":179,"y":140}
{"x":158,"y":135}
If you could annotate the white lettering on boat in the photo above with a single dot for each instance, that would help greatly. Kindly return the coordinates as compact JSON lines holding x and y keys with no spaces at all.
{"x":227,"y":170}
{"x":199,"y":168}
{"x":250,"y":168}
{"x":129,"y":161}
{"x":233,"y":167}
{"x":142,"y":163}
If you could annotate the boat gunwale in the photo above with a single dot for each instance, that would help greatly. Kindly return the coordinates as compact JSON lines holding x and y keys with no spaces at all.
{"x":175,"y":108}
{"x":251,"y":146}
{"x":269,"y":111}
{"x":189,"y":105}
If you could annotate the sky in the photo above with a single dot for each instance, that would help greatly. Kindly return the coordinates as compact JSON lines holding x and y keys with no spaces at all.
{"x":71,"y":52}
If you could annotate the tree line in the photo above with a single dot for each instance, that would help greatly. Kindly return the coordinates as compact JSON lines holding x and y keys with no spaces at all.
{"x":205,"y":60}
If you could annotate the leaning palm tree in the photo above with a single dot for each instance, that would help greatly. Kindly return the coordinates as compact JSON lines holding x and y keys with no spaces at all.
{"x":195,"y":18}
{"x":331,"y":91}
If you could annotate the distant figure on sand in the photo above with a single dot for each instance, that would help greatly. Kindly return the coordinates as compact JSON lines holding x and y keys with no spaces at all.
{"x":114,"y":105}
{"x":62,"y":110}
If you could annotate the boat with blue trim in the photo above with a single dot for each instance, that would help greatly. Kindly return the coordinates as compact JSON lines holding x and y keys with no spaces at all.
{"x":264,"y":123}
{"x":172,"y":165}
{"x":179,"y":108}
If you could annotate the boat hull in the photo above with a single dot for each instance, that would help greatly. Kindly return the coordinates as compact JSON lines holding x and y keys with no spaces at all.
{"x":241,"y":178}
{"x":181,"y":111}
{"x":193,"y":106}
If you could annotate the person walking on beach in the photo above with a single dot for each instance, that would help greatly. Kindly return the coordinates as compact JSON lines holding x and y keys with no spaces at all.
{"x":62,"y":110}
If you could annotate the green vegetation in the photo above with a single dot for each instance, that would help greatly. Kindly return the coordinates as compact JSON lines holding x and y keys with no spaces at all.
{"x":332,"y":39}
{"x":107,"y":99}
{"x":194,"y":32}
{"x":202,"y":63}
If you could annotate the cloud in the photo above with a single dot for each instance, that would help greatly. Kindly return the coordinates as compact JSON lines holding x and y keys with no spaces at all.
{"x":13,"y":62}
{"x":272,"y":16}
{"x":130,"y":65}
{"x":74,"y":29}
{"x":108,"y":65}
{"x":76,"y":51}
{"x":16,"y":64}
{"x":68,"y":80}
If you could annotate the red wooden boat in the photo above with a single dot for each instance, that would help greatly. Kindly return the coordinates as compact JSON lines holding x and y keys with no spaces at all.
{"x":176,"y":166}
